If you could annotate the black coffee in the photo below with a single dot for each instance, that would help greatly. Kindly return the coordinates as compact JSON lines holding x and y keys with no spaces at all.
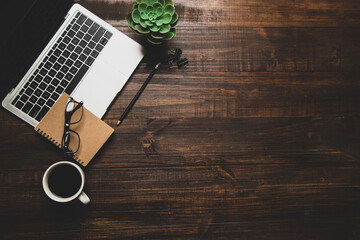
{"x":64,"y":180}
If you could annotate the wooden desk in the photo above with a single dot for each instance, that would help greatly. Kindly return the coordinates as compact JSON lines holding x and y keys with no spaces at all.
{"x":259,"y":139}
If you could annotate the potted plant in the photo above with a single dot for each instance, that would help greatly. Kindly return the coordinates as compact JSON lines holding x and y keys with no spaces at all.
{"x":155,"y":20}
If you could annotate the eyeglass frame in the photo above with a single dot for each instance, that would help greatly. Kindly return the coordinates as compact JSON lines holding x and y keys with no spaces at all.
{"x":66,"y":135}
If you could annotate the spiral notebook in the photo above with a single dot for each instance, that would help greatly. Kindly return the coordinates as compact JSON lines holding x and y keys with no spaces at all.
{"x":93,"y":131}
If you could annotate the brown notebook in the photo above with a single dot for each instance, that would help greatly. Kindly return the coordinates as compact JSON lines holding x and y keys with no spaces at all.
{"x":93,"y":131}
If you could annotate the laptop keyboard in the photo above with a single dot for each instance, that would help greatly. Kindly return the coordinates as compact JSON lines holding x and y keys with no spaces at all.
{"x":63,"y":67}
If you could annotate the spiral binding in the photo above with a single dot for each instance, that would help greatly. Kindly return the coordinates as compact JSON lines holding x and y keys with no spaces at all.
{"x":47,"y":136}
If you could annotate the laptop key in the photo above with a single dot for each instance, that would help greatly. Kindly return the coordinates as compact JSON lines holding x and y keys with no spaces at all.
{"x":88,"y":22}
{"x":91,"y":44}
{"x":61,"y":60}
{"x":80,"y":34}
{"x":64,"y":69}
{"x":42,"y":113}
{"x":69,"y":63}
{"x":74,"y":56}
{"x":59,"y":75}
{"x":50,"y":102}
{"x":62,"y":46}
{"x":55,"y":82}
{"x":89,"y":61}
{"x":99,"y":34}
{"x":57,"y":52}
{"x":38,"y":92}
{"x":82,"y":57}
{"x":33,"y":99}
{"x":34,"y":111}
{"x":76,"y":79}
{"x":82,"y":43}
{"x":47,"y":79}
{"x":46,"y":95}
{"x":15,"y":100}
{"x":70,"y":47}
{"x":108,"y":34}
{"x":84,"y":28}
{"x":55,"y":46}
{"x":42,"y":86}
{"x":99,"y":47}
{"x":81,"y":19}
{"x":94,"y":54}
{"x":87,"y":51}
{"x":69,"y":76}
{"x":75,"y":27}
{"x":52,"y":73}
{"x":54,"y":96}
{"x":41,"y":101}
{"x":33,"y":85}
{"x":71,"y":33}
{"x":103,"y":41}
{"x":78,"y":50}
{"x":64,"y":83}
{"x":77,"y":64}
{"x":50,"y":88}
{"x":93,"y":28}
{"x":75,"y":40}
{"x":66,"y":53}
{"x":66,"y":40}
{"x":59,"y":40}
{"x":45,"y":59}
{"x":73,"y":70}
{"x":47,"y":65}
{"x":38,"y":78}
{"x":52,"y":59}
{"x":87,"y":37}
{"x":59,"y":90}
{"x":27,"y":107}
{"x":24,"y":98}
{"x":43,"y":72}
{"x":19,"y":105}
{"x":29,"y":91}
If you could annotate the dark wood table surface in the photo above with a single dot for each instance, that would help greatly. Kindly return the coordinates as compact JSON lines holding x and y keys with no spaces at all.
{"x":259,"y":139}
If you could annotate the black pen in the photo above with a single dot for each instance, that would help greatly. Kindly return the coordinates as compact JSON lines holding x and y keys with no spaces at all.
{"x":133,"y":101}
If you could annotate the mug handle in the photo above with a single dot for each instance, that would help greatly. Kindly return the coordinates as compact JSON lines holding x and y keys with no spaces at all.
{"x":84,"y":198}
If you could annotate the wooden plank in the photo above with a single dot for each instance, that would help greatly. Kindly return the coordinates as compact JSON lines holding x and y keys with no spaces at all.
{"x":247,"y":13}
{"x":192,"y":202}
{"x":161,"y":142}
{"x":226,"y":95}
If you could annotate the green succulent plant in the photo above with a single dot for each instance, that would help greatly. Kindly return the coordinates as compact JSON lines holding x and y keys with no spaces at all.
{"x":154,"y":19}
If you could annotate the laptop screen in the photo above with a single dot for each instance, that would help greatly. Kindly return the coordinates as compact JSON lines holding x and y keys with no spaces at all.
{"x":28,"y":26}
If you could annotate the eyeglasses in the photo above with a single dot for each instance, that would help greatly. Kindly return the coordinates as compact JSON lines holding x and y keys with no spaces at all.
{"x":72,"y":116}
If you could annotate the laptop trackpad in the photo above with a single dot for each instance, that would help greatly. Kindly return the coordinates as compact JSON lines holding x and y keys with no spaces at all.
{"x":100,"y":86}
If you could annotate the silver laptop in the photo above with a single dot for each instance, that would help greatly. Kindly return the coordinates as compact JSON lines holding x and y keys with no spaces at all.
{"x":85,"y":57}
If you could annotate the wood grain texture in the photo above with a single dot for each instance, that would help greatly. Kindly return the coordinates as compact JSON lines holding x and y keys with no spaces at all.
{"x":259,"y":139}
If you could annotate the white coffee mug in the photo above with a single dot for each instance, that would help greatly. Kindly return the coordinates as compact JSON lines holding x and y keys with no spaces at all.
{"x":80,"y":194}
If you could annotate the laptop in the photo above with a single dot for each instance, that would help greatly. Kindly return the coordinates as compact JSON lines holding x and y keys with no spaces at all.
{"x":51,"y":47}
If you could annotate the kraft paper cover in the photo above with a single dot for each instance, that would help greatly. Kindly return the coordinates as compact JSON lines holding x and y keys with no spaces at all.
{"x":93,"y":131}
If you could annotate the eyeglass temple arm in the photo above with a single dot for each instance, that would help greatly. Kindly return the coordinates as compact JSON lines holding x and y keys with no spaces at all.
{"x":77,"y":107}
